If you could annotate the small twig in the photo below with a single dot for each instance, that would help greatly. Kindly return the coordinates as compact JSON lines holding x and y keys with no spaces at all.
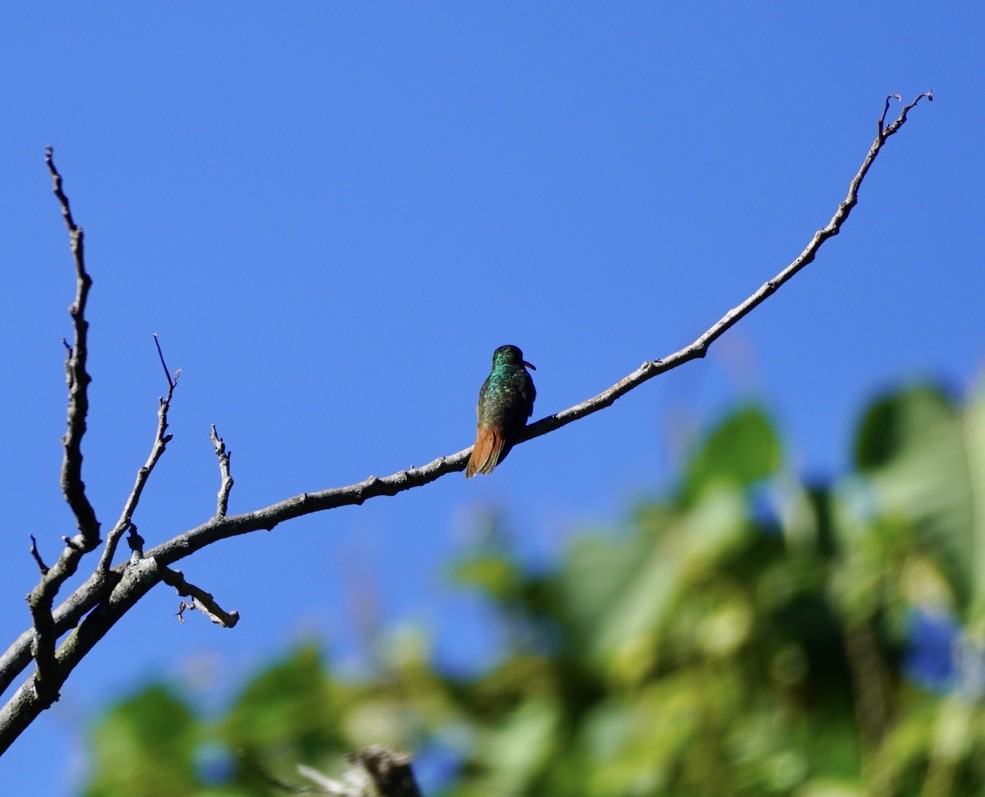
{"x":901,"y":119}
{"x":37,"y":557}
{"x":161,"y":440}
{"x":355,"y":782}
{"x":164,"y":365}
{"x":200,"y":600}
{"x":252,"y":765}
{"x":377,"y":771}
{"x":75,"y":374}
{"x":885,"y":110}
{"x":226,"y":485}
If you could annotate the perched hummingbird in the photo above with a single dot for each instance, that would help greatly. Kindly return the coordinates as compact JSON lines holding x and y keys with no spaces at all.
{"x":506,"y":400}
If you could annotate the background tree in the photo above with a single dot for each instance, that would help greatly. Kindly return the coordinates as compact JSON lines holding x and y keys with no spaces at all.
{"x":745,"y":633}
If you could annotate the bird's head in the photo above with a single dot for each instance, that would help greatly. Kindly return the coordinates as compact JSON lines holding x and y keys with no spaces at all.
{"x":510,"y":355}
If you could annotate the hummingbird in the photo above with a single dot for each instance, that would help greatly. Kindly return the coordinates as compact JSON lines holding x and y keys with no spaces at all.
{"x":506,"y":400}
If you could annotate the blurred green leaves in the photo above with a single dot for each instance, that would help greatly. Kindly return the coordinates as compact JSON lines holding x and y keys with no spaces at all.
{"x":742,"y":450}
{"x":743,"y":634}
{"x":146,"y":744}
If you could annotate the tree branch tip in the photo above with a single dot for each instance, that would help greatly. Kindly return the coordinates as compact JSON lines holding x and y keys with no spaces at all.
{"x":172,"y":378}
{"x":37,"y":556}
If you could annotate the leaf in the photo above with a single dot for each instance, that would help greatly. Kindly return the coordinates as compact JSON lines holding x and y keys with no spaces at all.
{"x":742,"y":450}
{"x":897,"y":421}
{"x":145,"y":745}
{"x":289,"y":703}
{"x":912,"y":445}
{"x":655,"y":567}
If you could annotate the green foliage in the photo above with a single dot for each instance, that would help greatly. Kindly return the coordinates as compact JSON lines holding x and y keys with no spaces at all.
{"x":744,"y":635}
{"x":742,"y":450}
{"x":145,"y":746}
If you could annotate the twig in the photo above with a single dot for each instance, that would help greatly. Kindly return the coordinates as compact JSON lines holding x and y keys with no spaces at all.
{"x":101,"y":600}
{"x":164,"y":365}
{"x":76,"y":376}
{"x":226,"y":485}
{"x":323,"y":786}
{"x":355,"y":782}
{"x":37,"y":557}
{"x":377,"y":771}
{"x":201,"y":600}
{"x":161,"y":440}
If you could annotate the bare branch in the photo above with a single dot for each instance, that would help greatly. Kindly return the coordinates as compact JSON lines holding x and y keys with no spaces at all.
{"x":324,"y":786}
{"x":885,"y":110}
{"x":353,"y":787}
{"x":46,"y":680}
{"x":76,"y":376}
{"x":201,"y":600}
{"x":376,"y":772}
{"x":37,"y":557}
{"x":36,"y":694}
{"x":161,"y":440}
{"x":226,"y":484}
{"x":41,"y":598}
{"x":172,"y":379}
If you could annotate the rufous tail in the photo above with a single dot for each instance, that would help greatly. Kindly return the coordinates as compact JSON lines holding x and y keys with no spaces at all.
{"x":486,"y":451}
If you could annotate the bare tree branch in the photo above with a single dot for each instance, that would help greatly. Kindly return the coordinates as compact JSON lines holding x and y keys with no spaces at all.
{"x":41,"y":598}
{"x":37,"y":557}
{"x":201,"y":600}
{"x":109,"y":593}
{"x":32,"y":697}
{"x":226,"y":485}
{"x":161,"y":440}
{"x":376,"y":772}
{"x":48,"y":679}
{"x":76,"y":376}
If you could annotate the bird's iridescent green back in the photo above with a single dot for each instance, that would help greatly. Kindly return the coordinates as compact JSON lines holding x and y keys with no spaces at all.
{"x":507,"y":396}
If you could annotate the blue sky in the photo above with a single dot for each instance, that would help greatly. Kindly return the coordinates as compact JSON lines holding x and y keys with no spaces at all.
{"x":331,"y":214}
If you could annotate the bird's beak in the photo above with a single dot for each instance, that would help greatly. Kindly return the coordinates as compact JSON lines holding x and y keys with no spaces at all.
{"x":530,"y":365}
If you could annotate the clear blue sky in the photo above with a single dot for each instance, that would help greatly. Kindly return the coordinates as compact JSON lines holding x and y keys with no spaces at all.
{"x":333,"y":213}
